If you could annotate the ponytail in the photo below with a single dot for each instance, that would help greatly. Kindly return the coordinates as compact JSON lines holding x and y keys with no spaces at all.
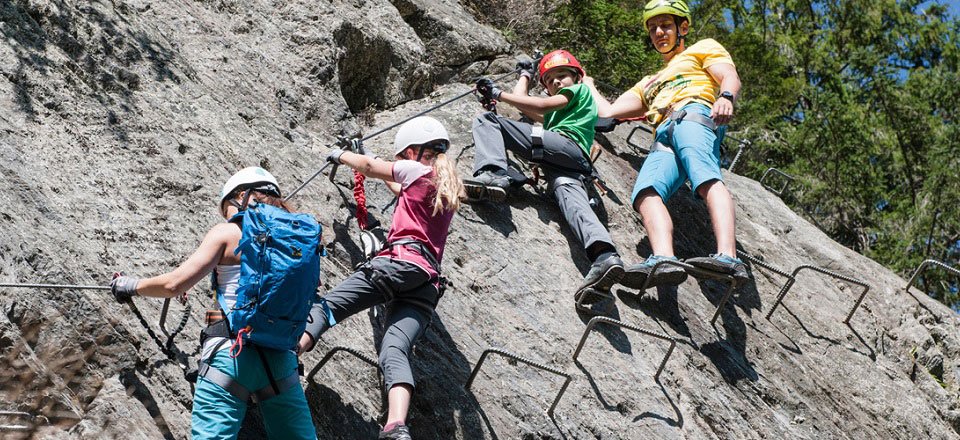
{"x":270,"y":199}
{"x":449,"y":188}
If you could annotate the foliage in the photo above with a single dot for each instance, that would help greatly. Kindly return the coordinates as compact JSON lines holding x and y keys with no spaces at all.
{"x":854,"y":98}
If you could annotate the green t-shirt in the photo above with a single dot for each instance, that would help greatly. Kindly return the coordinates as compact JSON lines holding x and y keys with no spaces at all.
{"x":577,"y":119}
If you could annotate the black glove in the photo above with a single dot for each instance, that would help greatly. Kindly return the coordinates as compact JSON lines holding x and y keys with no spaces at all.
{"x":488,"y":90}
{"x":123,"y":287}
{"x":334,"y":156}
{"x":525,"y":68}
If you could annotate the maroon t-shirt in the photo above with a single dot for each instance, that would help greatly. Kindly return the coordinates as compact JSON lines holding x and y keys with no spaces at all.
{"x":413,"y":217}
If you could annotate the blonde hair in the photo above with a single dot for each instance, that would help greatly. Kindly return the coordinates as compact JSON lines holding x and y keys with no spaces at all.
{"x":449,"y":188}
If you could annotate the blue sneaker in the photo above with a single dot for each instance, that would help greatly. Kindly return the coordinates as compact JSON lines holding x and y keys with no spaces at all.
{"x":666,"y":275}
{"x":724,"y":264}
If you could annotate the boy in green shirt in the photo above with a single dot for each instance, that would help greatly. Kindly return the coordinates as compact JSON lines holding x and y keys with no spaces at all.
{"x":561,"y":147}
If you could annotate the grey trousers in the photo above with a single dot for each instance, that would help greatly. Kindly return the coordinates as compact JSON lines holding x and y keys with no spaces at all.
{"x":407,"y":314}
{"x":494,"y":135}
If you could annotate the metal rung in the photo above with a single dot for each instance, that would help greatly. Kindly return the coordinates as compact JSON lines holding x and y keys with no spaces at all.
{"x":736,"y":158}
{"x":924,"y":265}
{"x":605,"y":295}
{"x":788,"y":179}
{"x":334,"y":351}
{"x":606,"y":320}
{"x":642,"y":127}
{"x":483,"y":357}
{"x":763,"y":264}
{"x":697,"y":273}
{"x":793,"y":279}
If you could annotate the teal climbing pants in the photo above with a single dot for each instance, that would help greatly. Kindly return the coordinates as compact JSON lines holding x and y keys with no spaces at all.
{"x":217,"y":414}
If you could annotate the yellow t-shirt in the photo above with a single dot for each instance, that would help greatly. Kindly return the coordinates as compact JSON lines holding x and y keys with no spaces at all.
{"x":684,"y":78}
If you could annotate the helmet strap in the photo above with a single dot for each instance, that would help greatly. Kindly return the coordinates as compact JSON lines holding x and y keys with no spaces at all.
{"x":420,"y":153}
{"x":246,"y":199}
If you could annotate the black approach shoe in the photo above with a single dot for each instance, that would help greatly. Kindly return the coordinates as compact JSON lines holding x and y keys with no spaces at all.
{"x":602,"y":276}
{"x":487,"y":186}
{"x":399,"y":432}
{"x":666,"y":275}
{"x":724,"y":264}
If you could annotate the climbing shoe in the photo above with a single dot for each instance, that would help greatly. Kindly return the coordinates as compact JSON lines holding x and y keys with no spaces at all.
{"x":488,"y":185}
{"x":398,"y":432}
{"x":724,"y":264}
{"x":666,"y":275}
{"x":602,"y":276}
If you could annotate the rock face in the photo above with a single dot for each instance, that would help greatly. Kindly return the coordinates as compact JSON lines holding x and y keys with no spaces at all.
{"x":121,"y":119}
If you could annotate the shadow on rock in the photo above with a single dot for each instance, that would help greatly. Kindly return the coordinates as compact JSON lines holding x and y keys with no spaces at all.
{"x":441,"y":408}
{"x":614,"y":335}
{"x":729,"y":354}
{"x":678,"y":423}
{"x":665,"y":308}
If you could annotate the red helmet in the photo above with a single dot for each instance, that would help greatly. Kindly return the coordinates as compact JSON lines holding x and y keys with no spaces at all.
{"x":558,"y":58}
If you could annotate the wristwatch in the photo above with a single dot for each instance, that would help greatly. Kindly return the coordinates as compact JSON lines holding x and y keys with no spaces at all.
{"x":727,"y":95}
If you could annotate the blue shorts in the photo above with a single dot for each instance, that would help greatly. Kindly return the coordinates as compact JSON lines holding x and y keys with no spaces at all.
{"x":696,"y":155}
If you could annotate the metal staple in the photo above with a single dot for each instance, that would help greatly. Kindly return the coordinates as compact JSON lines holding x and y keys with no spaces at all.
{"x":483,"y":357}
{"x":786,"y":184}
{"x":793,"y":278}
{"x":764,"y":264}
{"x":334,"y":351}
{"x":698,"y":273}
{"x":924,"y":265}
{"x":604,"y":295}
{"x":606,"y":320}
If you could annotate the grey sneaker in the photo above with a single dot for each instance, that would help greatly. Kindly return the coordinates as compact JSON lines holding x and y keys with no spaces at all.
{"x":399,"y":432}
{"x":666,"y":275}
{"x":602,"y":276}
{"x":487,"y":186}
{"x":724,"y":264}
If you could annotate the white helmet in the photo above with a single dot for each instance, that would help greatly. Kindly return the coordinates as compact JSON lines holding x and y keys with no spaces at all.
{"x":250,"y":177}
{"x":420,"y":131}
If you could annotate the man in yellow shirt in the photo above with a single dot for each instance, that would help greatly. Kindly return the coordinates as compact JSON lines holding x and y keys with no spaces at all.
{"x":689,"y":101}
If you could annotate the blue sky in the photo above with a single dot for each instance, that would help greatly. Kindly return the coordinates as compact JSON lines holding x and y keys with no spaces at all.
{"x":952,"y":5}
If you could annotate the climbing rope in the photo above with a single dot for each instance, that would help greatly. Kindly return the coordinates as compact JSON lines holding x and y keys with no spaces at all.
{"x":392,"y":126}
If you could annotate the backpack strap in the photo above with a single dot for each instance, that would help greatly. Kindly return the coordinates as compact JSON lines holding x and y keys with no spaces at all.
{"x":228,"y":383}
{"x":266,"y":368}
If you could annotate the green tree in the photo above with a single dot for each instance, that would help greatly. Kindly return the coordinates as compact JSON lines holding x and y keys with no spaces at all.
{"x":855,"y":98}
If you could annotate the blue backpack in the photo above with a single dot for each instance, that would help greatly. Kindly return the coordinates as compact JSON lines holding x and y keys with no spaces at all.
{"x":279,"y":273}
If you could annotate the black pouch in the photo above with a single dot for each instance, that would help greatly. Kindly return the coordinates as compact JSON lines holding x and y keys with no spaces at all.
{"x":219,"y":329}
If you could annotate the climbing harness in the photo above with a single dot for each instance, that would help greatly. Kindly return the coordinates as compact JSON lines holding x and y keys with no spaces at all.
{"x":379,"y":278}
{"x":677,"y":117}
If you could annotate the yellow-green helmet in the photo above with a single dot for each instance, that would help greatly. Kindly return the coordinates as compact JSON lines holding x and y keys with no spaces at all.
{"x":673,"y":7}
